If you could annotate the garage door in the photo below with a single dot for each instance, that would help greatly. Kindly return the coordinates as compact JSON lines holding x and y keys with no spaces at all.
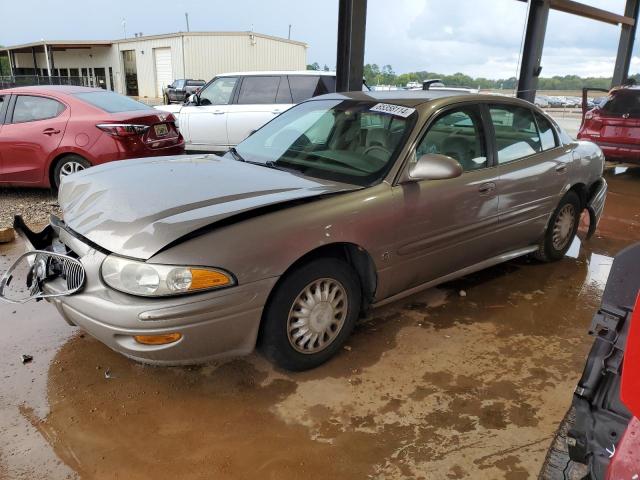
{"x":164,"y":73}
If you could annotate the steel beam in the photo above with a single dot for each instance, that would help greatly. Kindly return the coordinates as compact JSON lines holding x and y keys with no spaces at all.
{"x":625,"y":46}
{"x":352,"y":20}
{"x":530,"y":67}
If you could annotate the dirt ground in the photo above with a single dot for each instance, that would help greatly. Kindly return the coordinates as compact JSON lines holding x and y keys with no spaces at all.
{"x":438,"y":386}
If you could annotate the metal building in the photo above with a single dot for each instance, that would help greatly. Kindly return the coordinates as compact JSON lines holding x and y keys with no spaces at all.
{"x":142,"y":66}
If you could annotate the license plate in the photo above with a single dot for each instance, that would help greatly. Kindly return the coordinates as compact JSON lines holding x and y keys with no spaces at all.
{"x":161,"y":129}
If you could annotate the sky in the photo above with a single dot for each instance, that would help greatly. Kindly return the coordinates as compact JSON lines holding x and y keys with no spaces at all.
{"x":476,"y":37}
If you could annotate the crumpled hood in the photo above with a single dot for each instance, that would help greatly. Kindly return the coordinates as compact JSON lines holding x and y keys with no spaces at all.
{"x":137,"y":207}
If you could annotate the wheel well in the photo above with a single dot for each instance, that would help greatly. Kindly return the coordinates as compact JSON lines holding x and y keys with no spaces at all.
{"x":582,"y":192}
{"x":54,"y":163}
{"x":357,"y":257}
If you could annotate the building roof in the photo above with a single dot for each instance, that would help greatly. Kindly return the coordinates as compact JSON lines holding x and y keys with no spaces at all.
{"x":314,"y":73}
{"x":63,"y":44}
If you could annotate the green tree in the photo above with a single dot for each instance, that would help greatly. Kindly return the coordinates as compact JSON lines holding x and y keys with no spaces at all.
{"x":313,"y":66}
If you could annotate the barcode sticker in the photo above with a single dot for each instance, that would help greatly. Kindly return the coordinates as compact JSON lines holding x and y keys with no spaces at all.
{"x":392,"y":109}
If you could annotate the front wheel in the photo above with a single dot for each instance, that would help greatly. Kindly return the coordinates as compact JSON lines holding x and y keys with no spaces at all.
{"x":562,"y":227}
{"x":66,"y":166}
{"x":311,"y":314}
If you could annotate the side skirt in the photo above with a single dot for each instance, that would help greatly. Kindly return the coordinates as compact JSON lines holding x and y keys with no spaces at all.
{"x":460,"y":273}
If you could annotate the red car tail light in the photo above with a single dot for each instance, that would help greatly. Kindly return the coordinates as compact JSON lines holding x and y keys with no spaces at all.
{"x":123,"y":129}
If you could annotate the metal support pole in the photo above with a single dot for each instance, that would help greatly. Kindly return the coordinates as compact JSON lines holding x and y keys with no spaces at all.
{"x":10,"y":63}
{"x":530,"y":67}
{"x":352,"y":21}
{"x":35,"y":64}
{"x":625,"y":46}
{"x":46,"y":55}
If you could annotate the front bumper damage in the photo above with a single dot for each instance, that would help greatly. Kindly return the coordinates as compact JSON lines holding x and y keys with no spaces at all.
{"x":212,"y":325}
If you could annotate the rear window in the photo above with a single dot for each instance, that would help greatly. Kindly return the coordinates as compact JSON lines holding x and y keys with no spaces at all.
{"x":195,"y":83}
{"x":623,"y":102}
{"x":112,"y":102}
{"x":304,"y":87}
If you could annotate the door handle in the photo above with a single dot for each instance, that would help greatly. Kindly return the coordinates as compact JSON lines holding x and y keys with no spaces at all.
{"x":276,"y":112}
{"x":486,"y":188}
{"x":561,"y":168}
{"x":218,"y":112}
{"x":50,"y":131}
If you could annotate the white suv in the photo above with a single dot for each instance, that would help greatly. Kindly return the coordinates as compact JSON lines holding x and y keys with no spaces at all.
{"x":231,"y":106}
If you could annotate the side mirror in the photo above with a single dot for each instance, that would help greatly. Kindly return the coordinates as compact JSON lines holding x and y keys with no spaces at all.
{"x":434,"y":166}
{"x":193,"y":99}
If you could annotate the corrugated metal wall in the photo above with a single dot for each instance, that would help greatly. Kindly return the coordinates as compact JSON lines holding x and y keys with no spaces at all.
{"x":205,"y":56}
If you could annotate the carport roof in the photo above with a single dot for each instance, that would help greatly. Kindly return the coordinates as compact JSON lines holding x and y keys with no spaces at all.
{"x":58,"y":44}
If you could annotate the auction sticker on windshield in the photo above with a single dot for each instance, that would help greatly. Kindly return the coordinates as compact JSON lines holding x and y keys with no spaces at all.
{"x":393,"y":109}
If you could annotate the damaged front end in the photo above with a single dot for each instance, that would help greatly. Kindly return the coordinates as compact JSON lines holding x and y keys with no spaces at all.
{"x":47,"y":269}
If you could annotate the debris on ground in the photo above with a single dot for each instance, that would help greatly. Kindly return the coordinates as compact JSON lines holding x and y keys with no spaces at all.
{"x":6,"y":234}
{"x":462,"y":293}
{"x":347,"y":348}
{"x":26,"y":358}
{"x":107,"y":373}
{"x":34,"y":204}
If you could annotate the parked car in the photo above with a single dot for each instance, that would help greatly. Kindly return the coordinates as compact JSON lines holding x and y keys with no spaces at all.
{"x":556,"y":101}
{"x":600,"y":436}
{"x":181,"y":89}
{"x":344,"y":202}
{"x":541,"y":101}
{"x":48,"y":132}
{"x":231,"y":106}
{"x":615,"y":125}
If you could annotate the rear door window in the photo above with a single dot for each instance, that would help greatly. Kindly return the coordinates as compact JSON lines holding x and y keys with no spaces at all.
{"x":258,"y":90}
{"x":31,"y":108}
{"x":4,"y":101}
{"x":304,"y":87}
{"x":516,"y":132}
{"x":623,"y":103}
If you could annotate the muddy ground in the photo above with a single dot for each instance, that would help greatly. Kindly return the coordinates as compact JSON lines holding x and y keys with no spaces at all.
{"x":438,"y":386}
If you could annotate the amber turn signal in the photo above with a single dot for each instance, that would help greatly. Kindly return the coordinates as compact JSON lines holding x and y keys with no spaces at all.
{"x":203,"y":278}
{"x":161,"y":339}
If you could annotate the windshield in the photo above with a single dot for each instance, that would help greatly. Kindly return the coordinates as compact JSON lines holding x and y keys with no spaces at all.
{"x":345,"y":141}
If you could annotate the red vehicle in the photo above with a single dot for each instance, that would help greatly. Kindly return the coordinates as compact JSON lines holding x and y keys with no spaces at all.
{"x":47,"y":132}
{"x":614,"y":124}
{"x":599,"y":439}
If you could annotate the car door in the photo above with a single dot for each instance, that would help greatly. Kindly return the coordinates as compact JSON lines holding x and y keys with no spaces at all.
{"x":447,"y":225}
{"x":33,"y":129}
{"x":533,"y":171}
{"x":205,"y":124}
{"x":4,"y":104}
{"x":260,"y":98}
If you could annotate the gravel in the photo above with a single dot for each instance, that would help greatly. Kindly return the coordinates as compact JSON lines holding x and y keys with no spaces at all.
{"x":35,"y":205}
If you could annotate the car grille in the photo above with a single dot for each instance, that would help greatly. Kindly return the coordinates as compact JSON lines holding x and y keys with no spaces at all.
{"x":73,"y":273}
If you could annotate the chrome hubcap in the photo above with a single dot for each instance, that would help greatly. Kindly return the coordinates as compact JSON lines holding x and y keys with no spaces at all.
{"x":317,"y":315}
{"x":563,"y":228}
{"x":70,"y":167}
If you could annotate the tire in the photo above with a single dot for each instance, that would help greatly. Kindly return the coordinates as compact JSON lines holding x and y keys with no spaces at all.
{"x":562,"y":227}
{"x":557,"y":464}
{"x":336,"y":312}
{"x":66,"y":166}
{"x":165,"y":99}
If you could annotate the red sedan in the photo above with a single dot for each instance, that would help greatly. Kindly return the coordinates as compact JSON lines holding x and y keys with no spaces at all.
{"x":47,"y":132}
{"x":615,"y":125}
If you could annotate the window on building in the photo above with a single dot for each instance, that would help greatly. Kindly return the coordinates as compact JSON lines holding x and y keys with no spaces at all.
{"x":30,"y":108}
{"x":516,"y":133}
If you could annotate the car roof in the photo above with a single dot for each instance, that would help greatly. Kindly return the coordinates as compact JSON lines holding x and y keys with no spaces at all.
{"x":53,"y":89}
{"x":278,"y":72}
{"x":414,"y":98}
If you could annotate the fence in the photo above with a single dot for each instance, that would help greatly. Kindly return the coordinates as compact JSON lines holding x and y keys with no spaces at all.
{"x":30,"y":80}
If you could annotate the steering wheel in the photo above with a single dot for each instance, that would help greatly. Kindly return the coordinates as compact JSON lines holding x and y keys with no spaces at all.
{"x":380,"y":148}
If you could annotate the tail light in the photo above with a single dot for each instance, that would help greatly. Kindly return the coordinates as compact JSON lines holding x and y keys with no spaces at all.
{"x":123,"y":129}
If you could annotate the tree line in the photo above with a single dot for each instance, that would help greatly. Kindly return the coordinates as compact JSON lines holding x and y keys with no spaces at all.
{"x":376,"y":75}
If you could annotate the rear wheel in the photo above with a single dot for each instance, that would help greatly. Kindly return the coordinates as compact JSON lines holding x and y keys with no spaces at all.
{"x":557,"y":465}
{"x":66,"y":166}
{"x":311,"y":314}
{"x":561,"y":230}
{"x":166,"y":99}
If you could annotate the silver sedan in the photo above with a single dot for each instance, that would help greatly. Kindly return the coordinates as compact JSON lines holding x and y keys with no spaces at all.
{"x":344,"y":203}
